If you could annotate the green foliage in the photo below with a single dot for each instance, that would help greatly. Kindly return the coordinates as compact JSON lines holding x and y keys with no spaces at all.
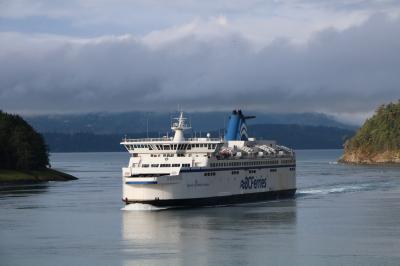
{"x":379,"y":133}
{"x":21,"y":147}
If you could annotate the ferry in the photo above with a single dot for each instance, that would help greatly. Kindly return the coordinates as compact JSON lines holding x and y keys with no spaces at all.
{"x":204,"y":171}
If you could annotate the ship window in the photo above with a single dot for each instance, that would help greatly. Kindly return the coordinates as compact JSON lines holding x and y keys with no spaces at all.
{"x":235,"y":172}
{"x":185,"y":165}
{"x":166,"y":147}
{"x":145,"y":165}
{"x":272,"y":170}
{"x":154,"y":165}
{"x":176,"y":165}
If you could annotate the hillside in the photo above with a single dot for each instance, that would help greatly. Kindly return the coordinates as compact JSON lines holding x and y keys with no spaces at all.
{"x":378,"y":140}
{"x":23,"y":153}
{"x":138,"y":122}
{"x":294,"y":136}
{"x":302,"y":136}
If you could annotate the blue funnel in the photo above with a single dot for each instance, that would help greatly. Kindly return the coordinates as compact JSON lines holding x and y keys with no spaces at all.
{"x":237,"y":128}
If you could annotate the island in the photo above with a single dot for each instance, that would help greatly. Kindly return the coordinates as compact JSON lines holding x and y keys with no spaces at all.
{"x":378,"y":140}
{"x":24,"y":156}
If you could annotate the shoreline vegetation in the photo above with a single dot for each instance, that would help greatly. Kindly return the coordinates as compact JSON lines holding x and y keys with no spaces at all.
{"x":24,"y":156}
{"x":377,"y":142}
{"x":32,"y":176}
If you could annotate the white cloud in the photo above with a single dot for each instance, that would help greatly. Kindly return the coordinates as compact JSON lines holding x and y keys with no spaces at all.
{"x":338,"y":57}
{"x":203,"y":65}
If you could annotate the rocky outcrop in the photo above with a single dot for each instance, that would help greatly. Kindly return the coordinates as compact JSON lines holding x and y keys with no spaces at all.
{"x":360,"y":157}
{"x":378,"y":140}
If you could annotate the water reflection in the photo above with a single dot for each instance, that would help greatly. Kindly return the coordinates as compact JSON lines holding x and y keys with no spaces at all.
{"x":22,"y":190}
{"x":224,"y":235}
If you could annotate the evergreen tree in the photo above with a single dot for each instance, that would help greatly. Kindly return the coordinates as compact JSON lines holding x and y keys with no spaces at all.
{"x":379,"y":133}
{"x":21,"y":147}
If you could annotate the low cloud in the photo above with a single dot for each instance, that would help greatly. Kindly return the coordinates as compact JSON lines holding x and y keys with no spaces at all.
{"x":203,"y":65}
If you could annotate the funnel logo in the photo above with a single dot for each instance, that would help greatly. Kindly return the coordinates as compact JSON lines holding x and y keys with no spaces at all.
{"x":243,"y":132}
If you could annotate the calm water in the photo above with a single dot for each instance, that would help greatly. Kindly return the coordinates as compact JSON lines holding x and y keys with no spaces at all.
{"x":342,"y":215}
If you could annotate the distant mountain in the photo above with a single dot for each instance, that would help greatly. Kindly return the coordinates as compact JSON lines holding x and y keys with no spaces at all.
{"x":136,"y":122}
{"x":293,"y":136}
{"x":302,"y":136}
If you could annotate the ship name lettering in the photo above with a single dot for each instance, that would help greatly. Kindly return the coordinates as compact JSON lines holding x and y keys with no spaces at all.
{"x":250,"y":182}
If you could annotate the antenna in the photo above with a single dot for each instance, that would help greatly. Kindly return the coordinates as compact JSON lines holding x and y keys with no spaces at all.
{"x":147,"y":126}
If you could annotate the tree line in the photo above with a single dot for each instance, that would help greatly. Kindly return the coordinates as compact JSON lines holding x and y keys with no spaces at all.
{"x":21,"y":147}
{"x":379,"y":133}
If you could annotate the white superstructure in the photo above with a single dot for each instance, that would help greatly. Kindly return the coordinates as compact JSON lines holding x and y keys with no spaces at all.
{"x":179,"y":171}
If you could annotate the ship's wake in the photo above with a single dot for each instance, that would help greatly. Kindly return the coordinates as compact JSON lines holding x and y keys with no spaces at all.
{"x":342,"y":188}
{"x":329,"y":190}
{"x":142,"y":207}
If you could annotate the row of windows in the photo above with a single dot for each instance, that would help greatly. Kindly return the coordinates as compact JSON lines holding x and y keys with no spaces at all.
{"x":253,"y":163}
{"x":272,"y":170}
{"x":287,"y":161}
{"x":173,"y":155}
{"x":166,"y":165}
{"x":209,"y":174}
{"x":235,"y":172}
{"x":168,"y":147}
{"x":292,"y":168}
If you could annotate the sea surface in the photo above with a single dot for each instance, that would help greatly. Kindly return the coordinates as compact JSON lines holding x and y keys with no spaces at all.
{"x":342,"y":215}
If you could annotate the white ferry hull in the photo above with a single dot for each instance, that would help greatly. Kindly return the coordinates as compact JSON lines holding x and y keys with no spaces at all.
{"x":206,"y":187}
{"x":181,"y":171}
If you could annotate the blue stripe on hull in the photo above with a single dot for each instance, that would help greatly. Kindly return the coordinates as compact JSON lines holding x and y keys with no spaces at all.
{"x":141,"y":182}
{"x":207,"y":169}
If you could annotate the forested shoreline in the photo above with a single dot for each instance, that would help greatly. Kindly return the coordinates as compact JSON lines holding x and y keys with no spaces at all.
{"x":24,"y":155}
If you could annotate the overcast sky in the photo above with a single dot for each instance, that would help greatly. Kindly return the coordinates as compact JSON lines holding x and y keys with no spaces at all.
{"x":338,"y":57}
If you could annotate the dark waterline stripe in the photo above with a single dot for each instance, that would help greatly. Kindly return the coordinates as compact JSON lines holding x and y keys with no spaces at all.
{"x":219,"y":200}
{"x":140,"y":182}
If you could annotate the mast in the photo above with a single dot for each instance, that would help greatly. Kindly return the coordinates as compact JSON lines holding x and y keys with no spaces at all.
{"x":179,"y":126}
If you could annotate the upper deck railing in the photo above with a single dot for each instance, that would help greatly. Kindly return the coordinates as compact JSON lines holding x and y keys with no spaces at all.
{"x":170,"y":139}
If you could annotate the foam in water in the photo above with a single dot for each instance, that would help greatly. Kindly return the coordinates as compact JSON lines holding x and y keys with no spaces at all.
{"x":141,"y":207}
{"x":323,"y":191}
